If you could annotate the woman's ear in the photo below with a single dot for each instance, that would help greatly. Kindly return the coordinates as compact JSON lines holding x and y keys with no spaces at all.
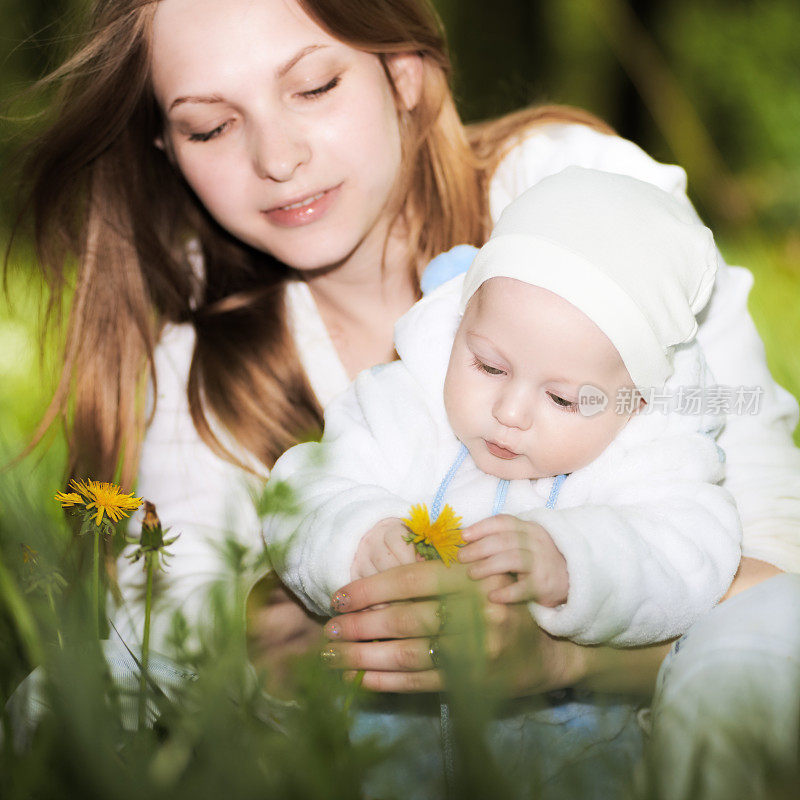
{"x":406,"y":70}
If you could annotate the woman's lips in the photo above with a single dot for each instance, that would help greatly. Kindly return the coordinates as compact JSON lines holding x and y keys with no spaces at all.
{"x":500,"y":452}
{"x":304,"y":210}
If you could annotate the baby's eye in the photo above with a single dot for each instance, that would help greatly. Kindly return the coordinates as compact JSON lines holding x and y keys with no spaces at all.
{"x":486,"y":368}
{"x":491,"y":370}
{"x":567,"y":405}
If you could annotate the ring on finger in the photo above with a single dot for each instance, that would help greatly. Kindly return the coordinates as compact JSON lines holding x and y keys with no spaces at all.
{"x":434,"y":652}
{"x":328,"y":656}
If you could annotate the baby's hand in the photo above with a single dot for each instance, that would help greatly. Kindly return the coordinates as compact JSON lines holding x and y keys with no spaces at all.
{"x":503,"y":544}
{"x":382,"y":547}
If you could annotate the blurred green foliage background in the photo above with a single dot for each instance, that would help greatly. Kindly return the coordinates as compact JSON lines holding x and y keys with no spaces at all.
{"x":711,"y":84}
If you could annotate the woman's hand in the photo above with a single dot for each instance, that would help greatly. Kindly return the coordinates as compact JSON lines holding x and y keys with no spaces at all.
{"x":409,"y":619}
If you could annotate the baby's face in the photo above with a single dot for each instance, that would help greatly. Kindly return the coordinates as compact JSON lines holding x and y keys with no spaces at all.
{"x":520,"y":356}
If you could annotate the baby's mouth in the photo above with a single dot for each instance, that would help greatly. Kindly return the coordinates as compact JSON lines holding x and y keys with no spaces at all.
{"x":500,"y":451}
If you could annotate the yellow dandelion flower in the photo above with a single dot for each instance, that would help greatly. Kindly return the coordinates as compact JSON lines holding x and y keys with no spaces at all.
{"x":82,"y":488}
{"x":443,"y":535}
{"x":109,"y":499}
{"x":68,"y":499}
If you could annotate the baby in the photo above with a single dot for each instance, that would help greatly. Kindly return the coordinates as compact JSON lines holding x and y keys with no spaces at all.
{"x":521,"y":388}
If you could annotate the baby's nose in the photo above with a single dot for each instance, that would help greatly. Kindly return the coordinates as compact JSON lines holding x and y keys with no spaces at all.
{"x":513,"y":410}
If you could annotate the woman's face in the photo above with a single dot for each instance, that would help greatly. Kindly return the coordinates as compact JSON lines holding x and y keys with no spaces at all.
{"x":288,"y":137}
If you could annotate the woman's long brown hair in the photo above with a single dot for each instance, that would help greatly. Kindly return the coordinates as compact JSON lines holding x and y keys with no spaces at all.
{"x":104,"y":197}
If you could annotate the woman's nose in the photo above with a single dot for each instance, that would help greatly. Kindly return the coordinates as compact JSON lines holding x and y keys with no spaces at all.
{"x":512,"y":409}
{"x":278,"y":151}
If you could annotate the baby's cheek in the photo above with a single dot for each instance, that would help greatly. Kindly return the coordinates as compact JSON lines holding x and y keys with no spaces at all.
{"x":587,"y":441}
{"x":456,"y":404}
{"x":460,"y":426}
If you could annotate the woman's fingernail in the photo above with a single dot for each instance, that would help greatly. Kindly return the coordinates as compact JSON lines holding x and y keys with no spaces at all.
{"x":328,"y":656}
{"x":333,"y":631}
{"x":340,"y":601}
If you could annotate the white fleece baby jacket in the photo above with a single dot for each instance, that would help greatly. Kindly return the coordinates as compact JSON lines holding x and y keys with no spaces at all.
{"x":651,"y":542}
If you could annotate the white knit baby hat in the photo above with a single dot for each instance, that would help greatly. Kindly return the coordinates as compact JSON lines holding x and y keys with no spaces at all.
{"x":634,"y":259}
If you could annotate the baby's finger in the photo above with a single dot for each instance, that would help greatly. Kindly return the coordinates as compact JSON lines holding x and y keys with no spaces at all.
{"x":402,"y":550}
{"x":362,"y":567}
{"x":383,"y":559}
{"x":495,"y":524}
{"x":506,"y":561}
{"x":487,"y":546}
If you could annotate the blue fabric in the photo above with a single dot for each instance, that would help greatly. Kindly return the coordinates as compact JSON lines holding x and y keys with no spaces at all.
{"x":578,"y":748}
{"x":438,"y":498}
{"x":446,"y":266}
{"x":500,"y":497}
{"x":555,"y":490}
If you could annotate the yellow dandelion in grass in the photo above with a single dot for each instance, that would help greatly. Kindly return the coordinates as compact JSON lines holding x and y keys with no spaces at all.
{"x":438,"y":539}
{"x":109,"y":499}
{"x":100,"y":498}
{"x":68,"y":499}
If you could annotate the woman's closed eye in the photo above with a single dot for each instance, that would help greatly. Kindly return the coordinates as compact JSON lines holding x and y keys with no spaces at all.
{"x":566,"y":405}
{"x":208,"y":135}
{"x":487,"y":368}
{"x":313,"y":94}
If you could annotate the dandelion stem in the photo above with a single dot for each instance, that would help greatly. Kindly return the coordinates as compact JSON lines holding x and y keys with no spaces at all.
{"x":96,"y":582}
{"x":355,"y":686}
{"x":148,"y":601}
{"x":55,"y":617}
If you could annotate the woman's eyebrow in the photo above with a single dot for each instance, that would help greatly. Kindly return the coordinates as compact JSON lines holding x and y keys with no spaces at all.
{"x":282,"y":70}
{"x":286,"y":66}
{"x":214,"y":98}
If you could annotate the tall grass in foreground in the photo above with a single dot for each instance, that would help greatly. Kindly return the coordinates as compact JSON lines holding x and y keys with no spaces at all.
{"x":74,"y":726}
{"x":212,"y":731}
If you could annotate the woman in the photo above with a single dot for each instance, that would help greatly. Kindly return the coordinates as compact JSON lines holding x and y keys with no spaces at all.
{"x":252,"y":189}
